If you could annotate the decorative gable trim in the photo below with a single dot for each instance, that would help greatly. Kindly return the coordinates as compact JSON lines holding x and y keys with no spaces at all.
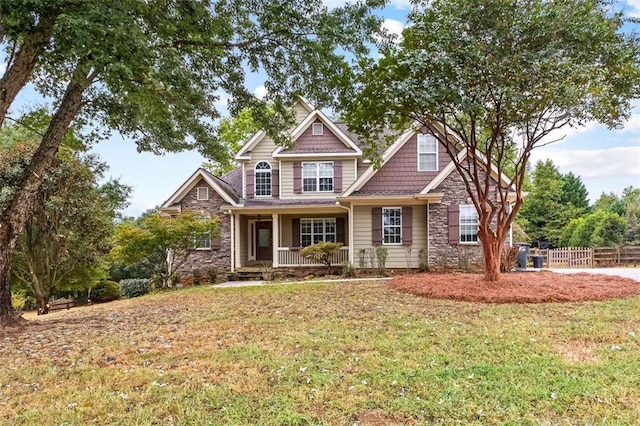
{"x":243,"y":154}
{"x":190,"y":183}
{"x":443,"y":173}
{"x":305,"y":124}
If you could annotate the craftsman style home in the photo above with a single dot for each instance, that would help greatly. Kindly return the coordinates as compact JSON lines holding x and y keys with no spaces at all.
{"x":322,"y":189}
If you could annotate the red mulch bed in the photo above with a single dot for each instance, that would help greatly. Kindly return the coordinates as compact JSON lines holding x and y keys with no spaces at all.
{"x":518,"y":287}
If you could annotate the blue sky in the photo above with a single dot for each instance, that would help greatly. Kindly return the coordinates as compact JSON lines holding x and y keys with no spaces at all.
{"x":606,"y":160}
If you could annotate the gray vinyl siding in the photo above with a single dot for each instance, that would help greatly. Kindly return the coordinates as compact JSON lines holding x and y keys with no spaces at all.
{"x":397,"y":254}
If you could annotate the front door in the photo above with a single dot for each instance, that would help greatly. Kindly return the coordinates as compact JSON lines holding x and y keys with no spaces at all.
{"x":264,"y":241}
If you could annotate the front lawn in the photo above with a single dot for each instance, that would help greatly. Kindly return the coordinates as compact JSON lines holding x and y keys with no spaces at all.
{"x":323,"y":354}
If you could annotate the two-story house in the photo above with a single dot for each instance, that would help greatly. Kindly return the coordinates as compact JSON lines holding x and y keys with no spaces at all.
{"x":322,"y":189}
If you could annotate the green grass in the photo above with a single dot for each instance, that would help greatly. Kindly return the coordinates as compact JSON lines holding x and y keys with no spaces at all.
{"x":324,"y":354}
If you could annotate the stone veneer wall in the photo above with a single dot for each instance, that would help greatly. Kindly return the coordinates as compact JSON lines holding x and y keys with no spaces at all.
{"x":204,"y":259}
{"x":442,"y":255}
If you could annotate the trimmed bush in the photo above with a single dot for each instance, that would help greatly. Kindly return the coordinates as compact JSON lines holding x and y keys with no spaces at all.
{"x":105,"y":291}
{"x":134,"y":287}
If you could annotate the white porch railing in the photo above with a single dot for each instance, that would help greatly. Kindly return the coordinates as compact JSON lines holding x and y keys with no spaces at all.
{"x":291,"y":257}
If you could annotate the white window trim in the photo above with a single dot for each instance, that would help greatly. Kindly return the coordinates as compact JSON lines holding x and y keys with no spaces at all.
{"x":324,"y":233}
{"x":317,"y":177}
{"x":460,"y":207}
{"x":395,"y":226}
{"x":420,"y":136}
{"x":255,"y":179}
{"x":317,"y":129}
{"x":200,"y":198}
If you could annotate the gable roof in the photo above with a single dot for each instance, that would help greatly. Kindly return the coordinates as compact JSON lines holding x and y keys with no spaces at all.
{"x":439,"y":178}
{"x":351,"y":149}
{"x":386,"y":155}
{"x":224,"y":189}
{"x":260,"y":134}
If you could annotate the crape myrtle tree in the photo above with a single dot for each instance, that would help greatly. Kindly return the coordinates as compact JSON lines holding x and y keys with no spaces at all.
{"x":155,"y":71}
{"x":497,"y":77}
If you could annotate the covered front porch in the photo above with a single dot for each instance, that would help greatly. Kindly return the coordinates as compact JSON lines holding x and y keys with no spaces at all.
{"x":275,"y":238}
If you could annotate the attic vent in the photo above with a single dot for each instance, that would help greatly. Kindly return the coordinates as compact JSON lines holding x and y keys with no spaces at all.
{"x":202,"y":193}
{"x":318,"y":129}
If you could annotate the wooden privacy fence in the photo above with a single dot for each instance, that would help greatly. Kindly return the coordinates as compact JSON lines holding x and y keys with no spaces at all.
{"x":588,"y":257}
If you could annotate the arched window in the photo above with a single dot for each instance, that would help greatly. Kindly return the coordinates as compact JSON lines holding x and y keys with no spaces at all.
{"x":263,"y":179}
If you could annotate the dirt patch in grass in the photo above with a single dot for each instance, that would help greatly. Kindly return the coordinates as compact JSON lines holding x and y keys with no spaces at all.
{"x":518,"y":287}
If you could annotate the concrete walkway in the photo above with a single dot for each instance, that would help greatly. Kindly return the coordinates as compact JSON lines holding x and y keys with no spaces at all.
{"x":230,"y":284}
{"x":633,"y":273}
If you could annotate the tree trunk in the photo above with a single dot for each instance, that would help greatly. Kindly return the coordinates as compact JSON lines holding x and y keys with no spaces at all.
{"x":19,"y":71}
{"x":8,"y":314}
{"x":492,"y":249}
{"x":20,"y":208}
{"x":42,"y":304}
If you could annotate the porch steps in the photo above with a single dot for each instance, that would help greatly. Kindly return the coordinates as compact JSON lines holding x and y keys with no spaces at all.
{"x":248,"y":274}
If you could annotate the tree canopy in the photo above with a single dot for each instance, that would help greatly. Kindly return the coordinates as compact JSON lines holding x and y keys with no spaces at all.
{"x":156,"y":72}
{"x":493,"y":77}
{"x":162,"y":244}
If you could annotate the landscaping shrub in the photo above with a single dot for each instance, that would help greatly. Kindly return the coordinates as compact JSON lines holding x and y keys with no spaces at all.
{"x":197,"y":276}
{"x":348,"y":271}
{"x":18,"y":300}
{"x":105,"y":291}
{"x":212,"y":273}
{"x":134,"y":287}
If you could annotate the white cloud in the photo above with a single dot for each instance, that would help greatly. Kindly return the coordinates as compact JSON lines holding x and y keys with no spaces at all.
{"x":622,"y":161}
{"x":394,"y":27}
{"x":401,"y":4}
{"x":633,"y":124}
{"x":260,"y":92}
{"x":634,"y":8}
{"x":3,"y":68}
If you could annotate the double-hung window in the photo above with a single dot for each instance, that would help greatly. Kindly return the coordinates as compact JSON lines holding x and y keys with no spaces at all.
{"x":314,"y":231}
{"x":392,"y":225}
{"x":468,"y":224}
{"x":427,"y":153}
{"x":202,"y":241}
{"x":317,"y":177}
{"x":263,"y":179}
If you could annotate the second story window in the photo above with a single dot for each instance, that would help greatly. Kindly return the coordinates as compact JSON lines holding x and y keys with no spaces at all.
{"x":427,"y":153}
{"x":317,"y":177}
{"x":263,"y":179}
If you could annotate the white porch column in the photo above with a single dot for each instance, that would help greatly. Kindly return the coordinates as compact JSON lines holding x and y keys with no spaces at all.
{"x":276,"y":238}
{"x":351,"y":249}
{"x":232,"y":256}
{"x":236,"y":246}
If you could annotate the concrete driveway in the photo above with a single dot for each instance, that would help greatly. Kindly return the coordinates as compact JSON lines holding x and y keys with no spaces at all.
{"x":633,"y":273}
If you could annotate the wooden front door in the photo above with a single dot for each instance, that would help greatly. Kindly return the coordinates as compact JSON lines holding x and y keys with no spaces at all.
{"x":264,"y":241}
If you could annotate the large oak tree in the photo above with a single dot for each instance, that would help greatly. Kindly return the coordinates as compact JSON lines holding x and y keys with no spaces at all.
{"x":154,"y":71}
{"x":498,"y":77}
